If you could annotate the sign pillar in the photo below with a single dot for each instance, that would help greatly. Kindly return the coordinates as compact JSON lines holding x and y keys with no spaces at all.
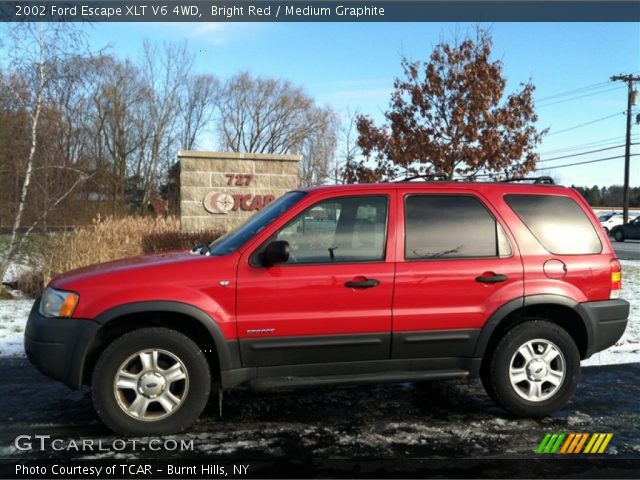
{"x":219,"y":190}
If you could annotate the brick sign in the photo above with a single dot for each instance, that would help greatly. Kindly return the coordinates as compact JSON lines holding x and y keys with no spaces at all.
{"x":219,"y":190}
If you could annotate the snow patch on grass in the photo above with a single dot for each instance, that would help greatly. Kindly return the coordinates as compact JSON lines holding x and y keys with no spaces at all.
{"x":627,"y":349}
{"x":13,"y":318}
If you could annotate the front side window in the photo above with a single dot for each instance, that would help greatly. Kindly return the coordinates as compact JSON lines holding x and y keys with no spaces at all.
{"x":451,"y":226}
{"x":338,"y":230}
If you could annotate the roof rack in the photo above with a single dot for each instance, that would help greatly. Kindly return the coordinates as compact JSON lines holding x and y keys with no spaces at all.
{"x":545,"y":180}
{"x":430,"y":177}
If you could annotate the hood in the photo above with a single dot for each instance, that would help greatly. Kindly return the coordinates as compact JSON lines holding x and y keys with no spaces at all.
{"x":124,"y":266}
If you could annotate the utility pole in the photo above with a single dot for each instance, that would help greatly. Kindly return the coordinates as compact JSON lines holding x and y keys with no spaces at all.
{"x":629,"y":80}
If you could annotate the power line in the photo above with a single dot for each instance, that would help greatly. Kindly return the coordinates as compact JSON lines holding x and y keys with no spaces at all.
{"x":584,"y":124}
{"x":595,"y":143}
{"x":588,"y":161}
{"x":584,"y":153}
{"x":579,"y":97}
{"x":575,"y":90}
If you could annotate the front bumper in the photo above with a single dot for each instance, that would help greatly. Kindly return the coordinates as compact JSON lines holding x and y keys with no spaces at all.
{"x":58,"y":347}
{"x":605,"y":322}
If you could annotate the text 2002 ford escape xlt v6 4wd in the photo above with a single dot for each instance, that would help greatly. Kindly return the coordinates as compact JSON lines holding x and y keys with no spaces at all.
{"x":340,"y":285}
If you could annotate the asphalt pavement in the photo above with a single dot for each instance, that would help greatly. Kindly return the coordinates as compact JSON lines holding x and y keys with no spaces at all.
{"x":441,"y":420}
{"x":628,"y":250}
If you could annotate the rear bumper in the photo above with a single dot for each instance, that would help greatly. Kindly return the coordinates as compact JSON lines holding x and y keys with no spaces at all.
{"x":58,"y":347}
{"x":605,"y":322}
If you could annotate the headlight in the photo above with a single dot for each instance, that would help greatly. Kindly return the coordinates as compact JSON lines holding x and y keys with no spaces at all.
{"x":56,"y":303}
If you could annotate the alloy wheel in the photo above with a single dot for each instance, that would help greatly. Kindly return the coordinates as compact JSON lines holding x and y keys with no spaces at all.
{"x":151,"y":384}
{"x":537,"y":370}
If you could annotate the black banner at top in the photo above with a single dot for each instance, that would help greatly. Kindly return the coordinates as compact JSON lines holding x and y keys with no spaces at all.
{"x":322,"y":11}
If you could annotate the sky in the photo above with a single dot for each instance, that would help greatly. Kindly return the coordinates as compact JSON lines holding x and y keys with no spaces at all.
{"x":351,"y":67}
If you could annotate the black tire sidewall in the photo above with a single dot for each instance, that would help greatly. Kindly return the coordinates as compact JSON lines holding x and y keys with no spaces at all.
{"x":504,"y":392}
{"x":618,"y":236}
{"x":117,"y":352}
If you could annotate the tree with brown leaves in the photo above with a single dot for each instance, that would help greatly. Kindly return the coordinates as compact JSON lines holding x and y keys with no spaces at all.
{"x":448,"y":116}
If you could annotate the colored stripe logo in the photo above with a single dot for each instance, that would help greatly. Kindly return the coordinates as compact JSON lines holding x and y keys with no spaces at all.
{"x":572,"y":443}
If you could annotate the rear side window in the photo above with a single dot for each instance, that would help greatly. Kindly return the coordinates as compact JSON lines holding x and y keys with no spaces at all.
{"x":451,"y":226}
{"x":557,"y":222}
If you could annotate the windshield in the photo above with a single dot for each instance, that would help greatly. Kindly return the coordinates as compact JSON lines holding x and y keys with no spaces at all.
{"x":233,"y":240}
{"x":606,"y":216}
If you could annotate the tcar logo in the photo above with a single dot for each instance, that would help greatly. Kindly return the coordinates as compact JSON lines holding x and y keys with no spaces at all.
{"x":574,"y":443}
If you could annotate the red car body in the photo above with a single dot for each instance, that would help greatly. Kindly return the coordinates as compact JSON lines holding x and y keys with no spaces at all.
{"x":268,"y":325}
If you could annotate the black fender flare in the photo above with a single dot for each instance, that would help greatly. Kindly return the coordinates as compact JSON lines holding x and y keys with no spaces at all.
{"x":221,"y":343}
{"x":521,"y":302}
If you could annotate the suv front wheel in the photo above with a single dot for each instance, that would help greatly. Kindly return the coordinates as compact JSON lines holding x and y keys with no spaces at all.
{"x":152,"y":381}
{"x":534,"y":369}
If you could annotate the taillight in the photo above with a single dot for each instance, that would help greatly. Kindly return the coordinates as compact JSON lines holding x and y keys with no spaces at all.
{"x":616,"y":278}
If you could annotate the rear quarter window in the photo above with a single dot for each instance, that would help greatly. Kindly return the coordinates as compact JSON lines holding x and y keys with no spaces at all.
{"x":557,"y":222}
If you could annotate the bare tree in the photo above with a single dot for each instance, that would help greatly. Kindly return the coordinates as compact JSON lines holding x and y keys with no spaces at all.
{"x":348,"y":146}
{"x":259,"y":115}
{"x":165,"y":75}
{"x":196,"y":108}
{"x":142,"y":114}
{"x":117,"y":122}
{"x":318,"y":148}
{"x":35,"y":52}
{"x":66,"y":155}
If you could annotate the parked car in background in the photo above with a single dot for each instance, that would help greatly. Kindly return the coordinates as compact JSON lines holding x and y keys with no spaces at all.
{"x":603,"y":217}
{"x":627,"y":231}
{"x":611,"y":220}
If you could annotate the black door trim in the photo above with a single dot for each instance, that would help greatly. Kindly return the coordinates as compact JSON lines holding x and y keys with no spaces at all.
{"x":264,"y":352}
{"x":434,"y":343}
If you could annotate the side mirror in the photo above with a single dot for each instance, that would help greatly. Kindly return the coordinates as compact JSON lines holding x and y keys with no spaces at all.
{"x":275,"y":253}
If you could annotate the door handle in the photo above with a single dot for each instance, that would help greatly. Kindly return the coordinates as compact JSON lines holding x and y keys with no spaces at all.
{"x":490,"y":277}
{"x":367,"y":283}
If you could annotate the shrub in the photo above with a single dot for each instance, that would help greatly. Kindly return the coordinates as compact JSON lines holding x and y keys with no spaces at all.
{"x":30,"y":283}
{"x":176,"y":239}
{"x":111,"y":238}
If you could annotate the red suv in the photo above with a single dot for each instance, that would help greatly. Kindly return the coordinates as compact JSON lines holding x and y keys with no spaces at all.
{"x":392,"y":282}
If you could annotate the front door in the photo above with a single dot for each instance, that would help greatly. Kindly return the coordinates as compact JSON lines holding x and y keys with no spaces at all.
{"x":331,"y":302}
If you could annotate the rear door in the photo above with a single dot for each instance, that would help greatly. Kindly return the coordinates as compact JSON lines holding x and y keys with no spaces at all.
{"x":457,"y":263}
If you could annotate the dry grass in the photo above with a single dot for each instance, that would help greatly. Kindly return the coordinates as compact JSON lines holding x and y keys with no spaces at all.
{"x":111,"y":238}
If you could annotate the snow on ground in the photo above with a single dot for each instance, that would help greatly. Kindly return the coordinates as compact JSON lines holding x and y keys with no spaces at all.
{"x":13,"y":317}
{"x":627,"y":349}
{"x":15,"y":270}
{"x":14,"y":313}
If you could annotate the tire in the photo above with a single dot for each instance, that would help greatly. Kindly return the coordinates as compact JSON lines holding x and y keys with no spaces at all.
{"x":618,"y":235}
{"x":536,"y":388}
{"x":485,"y":378}
{"x":171,"y":386}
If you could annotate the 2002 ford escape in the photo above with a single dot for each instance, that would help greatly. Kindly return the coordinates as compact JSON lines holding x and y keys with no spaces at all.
{"x":340,"y":285}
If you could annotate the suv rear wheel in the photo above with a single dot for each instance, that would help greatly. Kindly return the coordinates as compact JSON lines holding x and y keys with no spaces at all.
{"x":619,"y":235}
{"x":151,"y":381}
{"x":534,"y":369}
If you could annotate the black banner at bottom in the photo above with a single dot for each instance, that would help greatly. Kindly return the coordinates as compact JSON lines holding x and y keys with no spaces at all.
{"x":397,"y":468}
